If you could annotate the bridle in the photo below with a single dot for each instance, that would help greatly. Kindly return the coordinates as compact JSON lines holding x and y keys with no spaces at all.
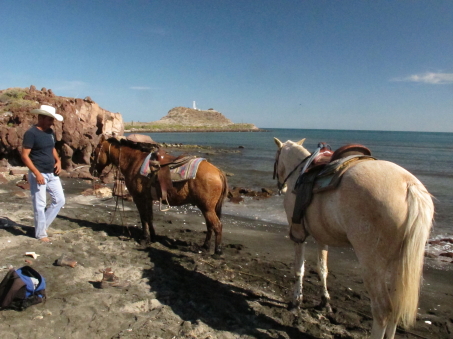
{"x":95,"y":171}
{"x":118,"y":179}
{"x":307,"y":160}
{"x":280,"y":186}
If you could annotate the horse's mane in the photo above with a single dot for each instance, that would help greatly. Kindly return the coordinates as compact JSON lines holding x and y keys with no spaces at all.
{"x":141,"y":146}
{"x":114,"y":141}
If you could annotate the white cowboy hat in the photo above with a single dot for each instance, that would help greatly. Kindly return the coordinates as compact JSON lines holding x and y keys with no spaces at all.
{"x":47,"y":110}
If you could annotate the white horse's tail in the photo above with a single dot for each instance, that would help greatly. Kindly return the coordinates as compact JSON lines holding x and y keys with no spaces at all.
{"x":410,"y":266}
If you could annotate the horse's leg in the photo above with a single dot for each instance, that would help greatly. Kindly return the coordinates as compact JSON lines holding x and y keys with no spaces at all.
{"x":323,"y":272}
{"x":391,"y":283}
{"x":374,"y":278}
{"x":391,"y":329}
{"x":146,"y":217}
{"x":213,"y":223}
{"x":149,"y":218}
{"x":299,"y":270}
{"x":378,"y":330}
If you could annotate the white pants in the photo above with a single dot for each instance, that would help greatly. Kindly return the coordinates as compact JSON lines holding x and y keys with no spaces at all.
{"x":43,"y":217}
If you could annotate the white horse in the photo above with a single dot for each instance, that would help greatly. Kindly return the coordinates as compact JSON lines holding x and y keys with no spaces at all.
{"x":384,"y":213}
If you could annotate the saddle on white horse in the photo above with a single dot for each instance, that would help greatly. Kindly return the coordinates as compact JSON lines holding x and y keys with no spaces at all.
{"x":322,"y":172}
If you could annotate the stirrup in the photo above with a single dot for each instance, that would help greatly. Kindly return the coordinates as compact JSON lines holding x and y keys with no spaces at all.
{"x":160,"y":205}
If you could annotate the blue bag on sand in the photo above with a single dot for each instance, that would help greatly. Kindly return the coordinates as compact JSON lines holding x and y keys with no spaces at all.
{"x":22,"y":288}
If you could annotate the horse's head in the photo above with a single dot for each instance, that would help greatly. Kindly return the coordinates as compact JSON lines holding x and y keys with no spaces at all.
{"x":100,"y":158}
{"x":288,"y":157}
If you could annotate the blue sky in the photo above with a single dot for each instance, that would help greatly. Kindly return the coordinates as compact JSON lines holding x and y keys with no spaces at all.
{"x":372,"y":65}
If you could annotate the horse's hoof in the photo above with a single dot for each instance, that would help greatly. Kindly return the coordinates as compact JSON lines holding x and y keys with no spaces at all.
{"x":199,"y":249}
{"x":145,"y":242}
{"x":329,"y":308}
{"x":205,"y":248}
{"x":325,"y":304}
{"x":324,"y":307}
{"x":217,"y":256}
{"x":293,"y":306}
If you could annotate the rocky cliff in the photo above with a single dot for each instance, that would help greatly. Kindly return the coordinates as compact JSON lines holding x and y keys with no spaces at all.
{"x":76,"y":137}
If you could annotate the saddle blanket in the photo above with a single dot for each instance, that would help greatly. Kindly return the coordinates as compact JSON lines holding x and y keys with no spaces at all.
{"x":186,"y":171}
{"x":330,"y":176}
{"x":144,"y":168}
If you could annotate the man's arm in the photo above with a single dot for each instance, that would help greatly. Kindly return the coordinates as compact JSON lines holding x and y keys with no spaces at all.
{"x":57,"y":166}
{"x":27,"y":162}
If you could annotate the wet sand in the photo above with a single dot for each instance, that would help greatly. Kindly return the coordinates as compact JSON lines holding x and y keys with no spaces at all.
{"x":171,"y":289}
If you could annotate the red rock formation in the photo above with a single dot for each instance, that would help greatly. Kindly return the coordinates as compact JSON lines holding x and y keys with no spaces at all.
{"x":84,"y":122}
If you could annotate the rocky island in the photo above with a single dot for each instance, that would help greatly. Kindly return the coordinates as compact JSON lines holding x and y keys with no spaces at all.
{"x":184,"y":119}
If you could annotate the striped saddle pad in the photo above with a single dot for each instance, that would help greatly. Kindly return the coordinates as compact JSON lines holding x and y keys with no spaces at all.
{"x":180,"y":173}
{"x":186,"y":171}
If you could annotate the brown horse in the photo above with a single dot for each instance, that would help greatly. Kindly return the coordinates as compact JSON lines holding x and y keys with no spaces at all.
{"x":207,"y":191}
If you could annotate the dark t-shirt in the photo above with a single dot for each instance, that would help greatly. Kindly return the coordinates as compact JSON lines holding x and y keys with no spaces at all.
{"x":41,"y":144}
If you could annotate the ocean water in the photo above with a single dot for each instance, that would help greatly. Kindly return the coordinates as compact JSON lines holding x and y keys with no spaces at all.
{"x":429,"y":156}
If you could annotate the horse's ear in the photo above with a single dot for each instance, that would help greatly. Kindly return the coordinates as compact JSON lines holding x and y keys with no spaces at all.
{"x":300,"y":142}
{"x":278,"y":143}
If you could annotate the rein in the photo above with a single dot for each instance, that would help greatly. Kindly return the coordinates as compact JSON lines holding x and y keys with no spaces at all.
{"x":115,"y":185}
{"x":308,"y":159}
{"x":281,"y":185}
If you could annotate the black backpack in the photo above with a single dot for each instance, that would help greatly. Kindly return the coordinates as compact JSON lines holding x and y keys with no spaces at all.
{"x":22,"y":288}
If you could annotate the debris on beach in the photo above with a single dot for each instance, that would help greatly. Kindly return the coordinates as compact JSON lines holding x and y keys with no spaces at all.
{"x":439,"y":248}
{"x":110,"y":279}
{"x":32,"y":254}
{"x":66,"y":261}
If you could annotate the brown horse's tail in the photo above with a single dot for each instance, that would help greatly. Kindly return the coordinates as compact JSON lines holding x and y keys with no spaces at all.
{"x":218,"y":206}
{"x":410,"y":266}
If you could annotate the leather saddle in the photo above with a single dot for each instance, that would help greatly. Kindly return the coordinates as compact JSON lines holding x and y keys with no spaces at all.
{"x":325,"y":165}
{"x":326,"y":156}
{"x":160,"y":164}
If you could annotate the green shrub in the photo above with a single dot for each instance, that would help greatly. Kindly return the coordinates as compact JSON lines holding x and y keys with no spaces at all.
{"x":20,"y":103}
{"x":13,"y":94}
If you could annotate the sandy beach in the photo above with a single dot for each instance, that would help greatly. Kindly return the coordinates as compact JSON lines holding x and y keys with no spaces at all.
{"x":171,"y":289}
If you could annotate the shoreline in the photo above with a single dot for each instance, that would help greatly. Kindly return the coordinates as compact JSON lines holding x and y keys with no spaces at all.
{"x":176,"y":291}
{"x":191,"y":130}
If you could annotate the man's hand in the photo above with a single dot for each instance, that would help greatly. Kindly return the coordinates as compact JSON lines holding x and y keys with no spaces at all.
{"x":27,"y":161}
{"x":57,"y":168}
{"x":40,"y":179}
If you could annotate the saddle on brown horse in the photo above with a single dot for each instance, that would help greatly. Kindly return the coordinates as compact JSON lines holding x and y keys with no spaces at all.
{"x":322,"y":171}
{"x":160,"y":163}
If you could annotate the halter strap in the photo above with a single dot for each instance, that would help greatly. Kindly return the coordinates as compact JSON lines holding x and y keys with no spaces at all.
{"x":281,"y":185}
{"x":308,"y":160}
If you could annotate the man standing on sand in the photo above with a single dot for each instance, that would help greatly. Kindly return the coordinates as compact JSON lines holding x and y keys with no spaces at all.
{"x":41,"y":158}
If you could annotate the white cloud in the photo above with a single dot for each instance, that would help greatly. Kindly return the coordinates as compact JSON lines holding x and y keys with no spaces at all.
{"x":429,"y":78}
{"x":141,"y":88}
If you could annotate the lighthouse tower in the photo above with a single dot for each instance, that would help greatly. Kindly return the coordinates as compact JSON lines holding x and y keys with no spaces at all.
{"x":194,"y":105}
